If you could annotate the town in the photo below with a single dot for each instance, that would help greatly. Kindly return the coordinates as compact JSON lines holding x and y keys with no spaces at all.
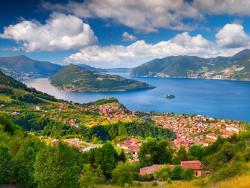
{"x":197,"y":129}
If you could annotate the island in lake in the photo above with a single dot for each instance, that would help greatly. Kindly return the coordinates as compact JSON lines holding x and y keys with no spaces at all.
{"x":74,"y":78}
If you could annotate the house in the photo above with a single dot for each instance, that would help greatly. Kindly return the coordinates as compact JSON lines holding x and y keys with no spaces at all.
{"x":150,"y":169}
{"x":131,"y":145}
{"x":72,"y":123}
{"x":195,"y":165}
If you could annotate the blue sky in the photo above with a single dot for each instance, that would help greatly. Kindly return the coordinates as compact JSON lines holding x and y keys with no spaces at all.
{"x":119,"y":33}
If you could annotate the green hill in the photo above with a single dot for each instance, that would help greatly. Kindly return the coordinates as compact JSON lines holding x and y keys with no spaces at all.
{"x":235,"y":67}
{"x":76,"y":79}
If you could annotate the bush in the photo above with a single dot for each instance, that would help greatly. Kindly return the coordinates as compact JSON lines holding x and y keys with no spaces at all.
{"x":163,"y":174}
{"x":228,"y":171}
{"x":90,"y":177}
{"x":6,"y":167}
{"x":124,"y":173}
{"x":187,"y":174}
{"x":176,"y":173}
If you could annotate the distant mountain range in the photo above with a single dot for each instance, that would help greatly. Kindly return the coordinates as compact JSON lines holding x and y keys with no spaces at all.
{"x":236,"y":67}
{"x":74,"y":78}
{"x":22,"y":67}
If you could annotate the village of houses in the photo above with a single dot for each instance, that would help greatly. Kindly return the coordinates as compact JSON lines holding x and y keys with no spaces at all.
{"x":189,"y":130}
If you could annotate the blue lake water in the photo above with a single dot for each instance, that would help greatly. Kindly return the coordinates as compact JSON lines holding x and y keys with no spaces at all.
{"x":215,"y":98}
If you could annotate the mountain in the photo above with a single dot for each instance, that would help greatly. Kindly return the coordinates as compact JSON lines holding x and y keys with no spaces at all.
{"x":234,"y":67}
{"x":77,"y":79}
{"x":22,"y":67}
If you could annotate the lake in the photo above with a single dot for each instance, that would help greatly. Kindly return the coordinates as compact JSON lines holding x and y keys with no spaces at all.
{"x":215,"y":98}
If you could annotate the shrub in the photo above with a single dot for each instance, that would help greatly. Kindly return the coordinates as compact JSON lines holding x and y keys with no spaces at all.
{"x":228,"y":171}
{"x":124,"y":173}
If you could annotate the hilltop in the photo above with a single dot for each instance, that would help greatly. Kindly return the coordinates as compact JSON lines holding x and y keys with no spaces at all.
{"x":236,"y":67}
{"x":77,"y":79}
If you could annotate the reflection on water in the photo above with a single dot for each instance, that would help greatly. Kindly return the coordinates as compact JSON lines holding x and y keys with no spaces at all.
{"x":224,"y":99}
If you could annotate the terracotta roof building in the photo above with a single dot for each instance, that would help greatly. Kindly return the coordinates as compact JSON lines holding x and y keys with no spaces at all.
{"x":195,"y":165}
{"x":150,"y":169}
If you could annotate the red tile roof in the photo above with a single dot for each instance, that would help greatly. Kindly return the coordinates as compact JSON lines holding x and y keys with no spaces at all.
{"x":150,"y":169}
{"x":195,"y":165}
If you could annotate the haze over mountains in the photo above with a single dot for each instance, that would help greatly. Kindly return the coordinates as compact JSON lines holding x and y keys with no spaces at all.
{"x":236,"y":67}
{"x":21,"y":67}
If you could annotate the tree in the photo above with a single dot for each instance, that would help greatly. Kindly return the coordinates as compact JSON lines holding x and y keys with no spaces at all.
{"x":187,"y":174}
{"x":176,"y":173}
{"x":4,"y":138}
{"x":7,"y":125}
{"x":181,"y":155}
{"x":90,"y":177}
{"x":196,"y":152}
{"x":6,"y":167}
{"x":163,"y":174}
{"x":155,"y":152}
{"x":24,"y":161}
{"x":221,"y":157}
{"x":124,"y":173}
{"x":58,"y":167}
{"x":15,"y":143}
{"x":229,"y":170}
{"x":106,"y":158}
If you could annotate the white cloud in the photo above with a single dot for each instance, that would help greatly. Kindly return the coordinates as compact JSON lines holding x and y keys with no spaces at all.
{"x":230,"y":7}
{"x":142,"y":15}
{"x":140,"y":51}
{"x":60,"y":32}
{"x":150,"y":15}
{"x":232,"y":36}
{"x":128,"y":37}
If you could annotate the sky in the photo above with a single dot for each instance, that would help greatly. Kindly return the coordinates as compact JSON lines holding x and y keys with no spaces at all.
{"x":122,"y":33}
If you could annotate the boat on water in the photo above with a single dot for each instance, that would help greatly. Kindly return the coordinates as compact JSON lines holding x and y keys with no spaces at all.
{"x":170,"y":96}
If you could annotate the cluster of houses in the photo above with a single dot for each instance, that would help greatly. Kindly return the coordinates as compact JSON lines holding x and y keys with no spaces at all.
{"x":195,"y":165}
{"x":197,"y":129}
{"x":131,"y":145}
{"x":112,"y":110}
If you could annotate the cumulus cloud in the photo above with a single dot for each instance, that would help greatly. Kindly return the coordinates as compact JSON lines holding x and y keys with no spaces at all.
{"x":232,"y":36}
{"x":142,"y":15}
{"x":230,"y":7}
{"x":128,"y":37}
{"x":149,"y":16}
{"x":60,"y":32}
{"x":140,"y":51}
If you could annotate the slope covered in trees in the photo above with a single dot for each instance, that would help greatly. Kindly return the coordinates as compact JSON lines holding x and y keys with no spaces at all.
{"x":77,"y":79}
